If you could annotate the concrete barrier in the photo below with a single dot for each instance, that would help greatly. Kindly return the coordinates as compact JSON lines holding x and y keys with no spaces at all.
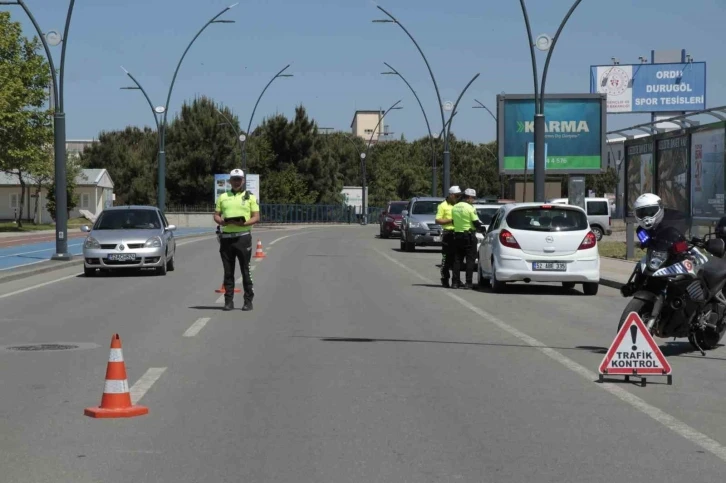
{"x":191,"y":220}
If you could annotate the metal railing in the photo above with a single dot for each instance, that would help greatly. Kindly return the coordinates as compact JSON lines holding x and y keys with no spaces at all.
{"x":290,"y":214}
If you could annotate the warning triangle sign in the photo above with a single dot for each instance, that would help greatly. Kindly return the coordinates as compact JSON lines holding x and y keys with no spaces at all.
{"x":634,"y":352}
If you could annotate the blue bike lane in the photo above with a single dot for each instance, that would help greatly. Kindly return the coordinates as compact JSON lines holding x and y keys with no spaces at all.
{"x":32,"y":253}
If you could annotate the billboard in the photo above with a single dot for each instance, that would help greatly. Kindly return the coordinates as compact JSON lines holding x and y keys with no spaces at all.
{"x":575,"y":127}
{"x":221,"y":184}
{"x":672,"y":172}
{"x":640,"y":172}
{"x":707,"y":173}
{"x":651,"y":87}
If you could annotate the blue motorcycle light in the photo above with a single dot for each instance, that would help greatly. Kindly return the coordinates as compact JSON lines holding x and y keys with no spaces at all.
{"x":642,"y":235}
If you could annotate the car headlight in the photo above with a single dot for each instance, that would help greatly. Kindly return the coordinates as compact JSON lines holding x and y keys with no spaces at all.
{"x":389,"y":219}
{"x":91,"y":243}
{"x":154,"y":242}
{"x":416,"y":224}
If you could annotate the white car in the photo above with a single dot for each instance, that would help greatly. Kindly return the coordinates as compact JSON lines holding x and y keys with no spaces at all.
{"x":486,"y":212}
{"x":535,"y":242}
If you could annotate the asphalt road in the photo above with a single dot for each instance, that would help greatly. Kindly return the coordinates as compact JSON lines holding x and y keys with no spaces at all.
{"x":354,"y":367}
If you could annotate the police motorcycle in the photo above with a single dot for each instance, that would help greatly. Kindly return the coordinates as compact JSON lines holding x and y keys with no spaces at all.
{"x":675,"y":288}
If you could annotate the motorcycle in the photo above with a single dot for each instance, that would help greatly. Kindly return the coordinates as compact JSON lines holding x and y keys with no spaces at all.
{"x":677,"y":290}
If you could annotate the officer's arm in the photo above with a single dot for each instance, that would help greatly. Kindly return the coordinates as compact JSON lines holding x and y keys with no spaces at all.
{"x":218,"y":213}
{"x":476,"y":221}
{"x":440,"y":220}
{"x":254,"y":212}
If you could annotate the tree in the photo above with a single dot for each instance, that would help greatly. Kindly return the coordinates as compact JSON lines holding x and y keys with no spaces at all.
{"x":26,"y":124}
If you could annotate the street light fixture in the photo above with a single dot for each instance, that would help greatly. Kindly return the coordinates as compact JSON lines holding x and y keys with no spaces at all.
{"x":161,"y":126}
{"x":249,"y":125}
{"x":428,"y":126}
{"x":364,"y":215}
{"x":59,"y":126}
{"x":482,"y":106}
{"x":543,"y":43}
{"x":227,"y":121}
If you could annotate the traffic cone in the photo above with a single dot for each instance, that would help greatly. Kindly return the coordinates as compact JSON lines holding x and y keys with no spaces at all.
{"x":259,"y":253}
{"x":222,"y":290}
{"x":116,"y":400}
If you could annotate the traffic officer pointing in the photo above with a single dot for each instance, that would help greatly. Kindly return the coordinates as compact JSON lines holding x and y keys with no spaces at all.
{"x":466,"y":222}
{"x":237,"y":210}
{"x":444,"y":218}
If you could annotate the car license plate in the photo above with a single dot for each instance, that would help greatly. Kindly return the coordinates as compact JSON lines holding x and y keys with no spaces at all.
{"x":122,"y":257}
{"x":549,"y":266}
{"x":437,"y":239}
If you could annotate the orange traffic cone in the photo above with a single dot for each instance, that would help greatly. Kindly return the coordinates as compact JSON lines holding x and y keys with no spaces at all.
{"x":116,"y":400}
{"x":222,"y":290}
{"x":259,"y":253}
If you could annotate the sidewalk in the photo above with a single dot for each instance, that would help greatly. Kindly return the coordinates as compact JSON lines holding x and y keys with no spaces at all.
{"x":615,"y":272}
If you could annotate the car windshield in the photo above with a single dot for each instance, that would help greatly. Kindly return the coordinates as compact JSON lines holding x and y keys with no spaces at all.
{"x":547,"y":219}
{"x":128,"y":220}
{"x":396,"y":209}
{"x":486,"y":215}
{"x":425,"y":207}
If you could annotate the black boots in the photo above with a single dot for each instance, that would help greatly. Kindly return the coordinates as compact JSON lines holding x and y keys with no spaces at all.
{"x":228,"y":305}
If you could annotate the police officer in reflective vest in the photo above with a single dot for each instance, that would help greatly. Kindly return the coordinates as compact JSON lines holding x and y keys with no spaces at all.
{"x":237,"y":210}
{"x":466,"y":223}
{"x":443,"y":218}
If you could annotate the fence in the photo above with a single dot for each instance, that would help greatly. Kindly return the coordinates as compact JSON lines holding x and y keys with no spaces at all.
{"x":289,"y":214}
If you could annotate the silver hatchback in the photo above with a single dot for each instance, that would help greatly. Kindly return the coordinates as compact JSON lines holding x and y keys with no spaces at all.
{"x":126,"y":237}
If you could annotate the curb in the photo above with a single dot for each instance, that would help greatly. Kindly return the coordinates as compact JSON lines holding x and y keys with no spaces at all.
{"x":52,"y":265}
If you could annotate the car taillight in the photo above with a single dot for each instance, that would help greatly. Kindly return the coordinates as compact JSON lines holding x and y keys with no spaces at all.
{"x":680,"y":247}
{"x":589,"y":241}
{"x":507,"y":239}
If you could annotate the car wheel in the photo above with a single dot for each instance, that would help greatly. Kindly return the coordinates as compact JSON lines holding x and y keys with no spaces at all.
{"x":497,"y":286}
{"x":161,"y":270}
{"x":481,"y":280}
{"x":170,"y":264}
{"x":403,"y":243}
{"x":568,"y":285}
{"x":590,"y":288}
{"x":89,"y":272}
{"x":597,"y":231}
{"x":410,"y":246}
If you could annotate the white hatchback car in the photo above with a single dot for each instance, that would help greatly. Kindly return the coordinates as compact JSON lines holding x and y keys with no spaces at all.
{"x":486,"y":212}
{"x":535,"y":242}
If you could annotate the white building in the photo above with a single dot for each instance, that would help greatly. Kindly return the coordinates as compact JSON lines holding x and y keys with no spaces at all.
{"x":94,"y":189}
{"x":364,"y":123}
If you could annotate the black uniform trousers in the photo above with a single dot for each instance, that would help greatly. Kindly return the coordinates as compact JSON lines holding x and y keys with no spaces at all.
{"x":232,"y":249}
{"x":448,"y":253}
{"x":465,"y":248}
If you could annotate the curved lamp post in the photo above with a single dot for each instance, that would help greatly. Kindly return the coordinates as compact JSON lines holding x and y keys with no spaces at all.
{"x":428,"y":126}
{"x":482,"y":106}
{"x":249,"y":125}
{"x":163,"y":111}
{"x":456,"y":104}
{"x":392,"y":19}
{"x":364,"y":215}
{"x":59,"y":126}
{"x":543,"y":43}
{"x":240,"y":137}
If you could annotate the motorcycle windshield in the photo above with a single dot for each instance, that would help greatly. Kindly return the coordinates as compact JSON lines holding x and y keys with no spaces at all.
{"x":669,"y":231}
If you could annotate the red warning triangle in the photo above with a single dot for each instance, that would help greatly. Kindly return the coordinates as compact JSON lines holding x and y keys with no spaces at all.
{"x":634,"y":352}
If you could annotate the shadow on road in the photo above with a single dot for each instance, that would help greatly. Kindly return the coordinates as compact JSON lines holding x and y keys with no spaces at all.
{"x":207,"y":307}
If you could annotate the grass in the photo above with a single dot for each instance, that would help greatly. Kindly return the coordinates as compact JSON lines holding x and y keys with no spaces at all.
{"x":615,"y":249}
{"x":28,"y":226}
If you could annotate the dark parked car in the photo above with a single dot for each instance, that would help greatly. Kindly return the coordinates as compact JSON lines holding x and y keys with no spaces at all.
{"x":390,"y":219}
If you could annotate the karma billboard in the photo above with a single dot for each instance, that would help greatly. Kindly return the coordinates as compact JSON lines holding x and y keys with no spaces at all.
{"x":651,"y":87}
{"x":575,"y":127}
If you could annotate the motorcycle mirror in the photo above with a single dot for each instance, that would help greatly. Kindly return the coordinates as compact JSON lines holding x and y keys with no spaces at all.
{"x":716,"y":247}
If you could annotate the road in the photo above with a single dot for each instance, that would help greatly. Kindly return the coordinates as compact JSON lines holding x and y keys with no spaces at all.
{"x":353,"y":367}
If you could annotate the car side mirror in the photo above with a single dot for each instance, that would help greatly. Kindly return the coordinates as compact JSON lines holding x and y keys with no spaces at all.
{"x":716,"y":247}
{"x":404,"y":213}
{"x":85,"y":229}
{"x":171,"y":228}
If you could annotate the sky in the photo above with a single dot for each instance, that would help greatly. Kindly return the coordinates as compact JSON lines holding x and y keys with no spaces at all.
{"x":336,"y":55}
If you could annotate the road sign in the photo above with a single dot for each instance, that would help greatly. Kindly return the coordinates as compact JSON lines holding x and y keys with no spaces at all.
{"x":634,"y":352}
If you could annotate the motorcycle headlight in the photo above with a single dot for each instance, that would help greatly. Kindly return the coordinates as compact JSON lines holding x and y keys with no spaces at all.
{"x":154,"y":242}
{"x":657,"y":259}
{"x":91,"y":243}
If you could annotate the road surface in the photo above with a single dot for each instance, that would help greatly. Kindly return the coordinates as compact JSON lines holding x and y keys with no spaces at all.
{"x":353,"y":367}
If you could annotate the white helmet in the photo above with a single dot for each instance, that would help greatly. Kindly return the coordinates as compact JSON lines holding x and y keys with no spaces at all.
{"x":454,"y":190}
{"x":237,"y":173}
{"x":648,"y":210}
{"x":470,"y":192}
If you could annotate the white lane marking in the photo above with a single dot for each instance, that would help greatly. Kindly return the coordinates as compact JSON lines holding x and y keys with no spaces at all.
{"x":670,"y":422}
{"x":36,"y":251}
{"x":27,"y":289}
{"x":145,"y":382}
{"x":23,"y":290}
{"x":281,"y":238}
{"x":196,"y":327}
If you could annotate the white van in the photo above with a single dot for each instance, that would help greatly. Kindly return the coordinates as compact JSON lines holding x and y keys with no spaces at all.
{"x":598,"y":214}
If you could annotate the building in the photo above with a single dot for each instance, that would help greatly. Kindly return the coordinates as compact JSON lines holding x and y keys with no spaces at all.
{"x":364,"y":122}
{"x":74,"y":147}
{"x":94,"y":189}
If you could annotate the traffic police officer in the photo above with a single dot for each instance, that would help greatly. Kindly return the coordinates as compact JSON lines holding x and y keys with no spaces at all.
{"x":237,"y":210}
{"x":466,"y":222}
{"x":443,"y":218}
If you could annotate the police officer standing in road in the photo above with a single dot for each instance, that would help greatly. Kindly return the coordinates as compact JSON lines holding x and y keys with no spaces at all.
{"x":237,"y":210}
{"x":466,"y":223}
{"x":444,"y":218}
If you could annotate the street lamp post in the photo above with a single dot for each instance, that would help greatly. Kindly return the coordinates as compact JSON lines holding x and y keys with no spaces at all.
{"x":428,"y":126}
{"x":59,"y":126}
{"x":249,"y":125}
{"x":364,"y":215}
{"x":543,"y":43}
{"x":482,"y":106}
{"x":164,"y":111}
{"x":240,"y":137}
